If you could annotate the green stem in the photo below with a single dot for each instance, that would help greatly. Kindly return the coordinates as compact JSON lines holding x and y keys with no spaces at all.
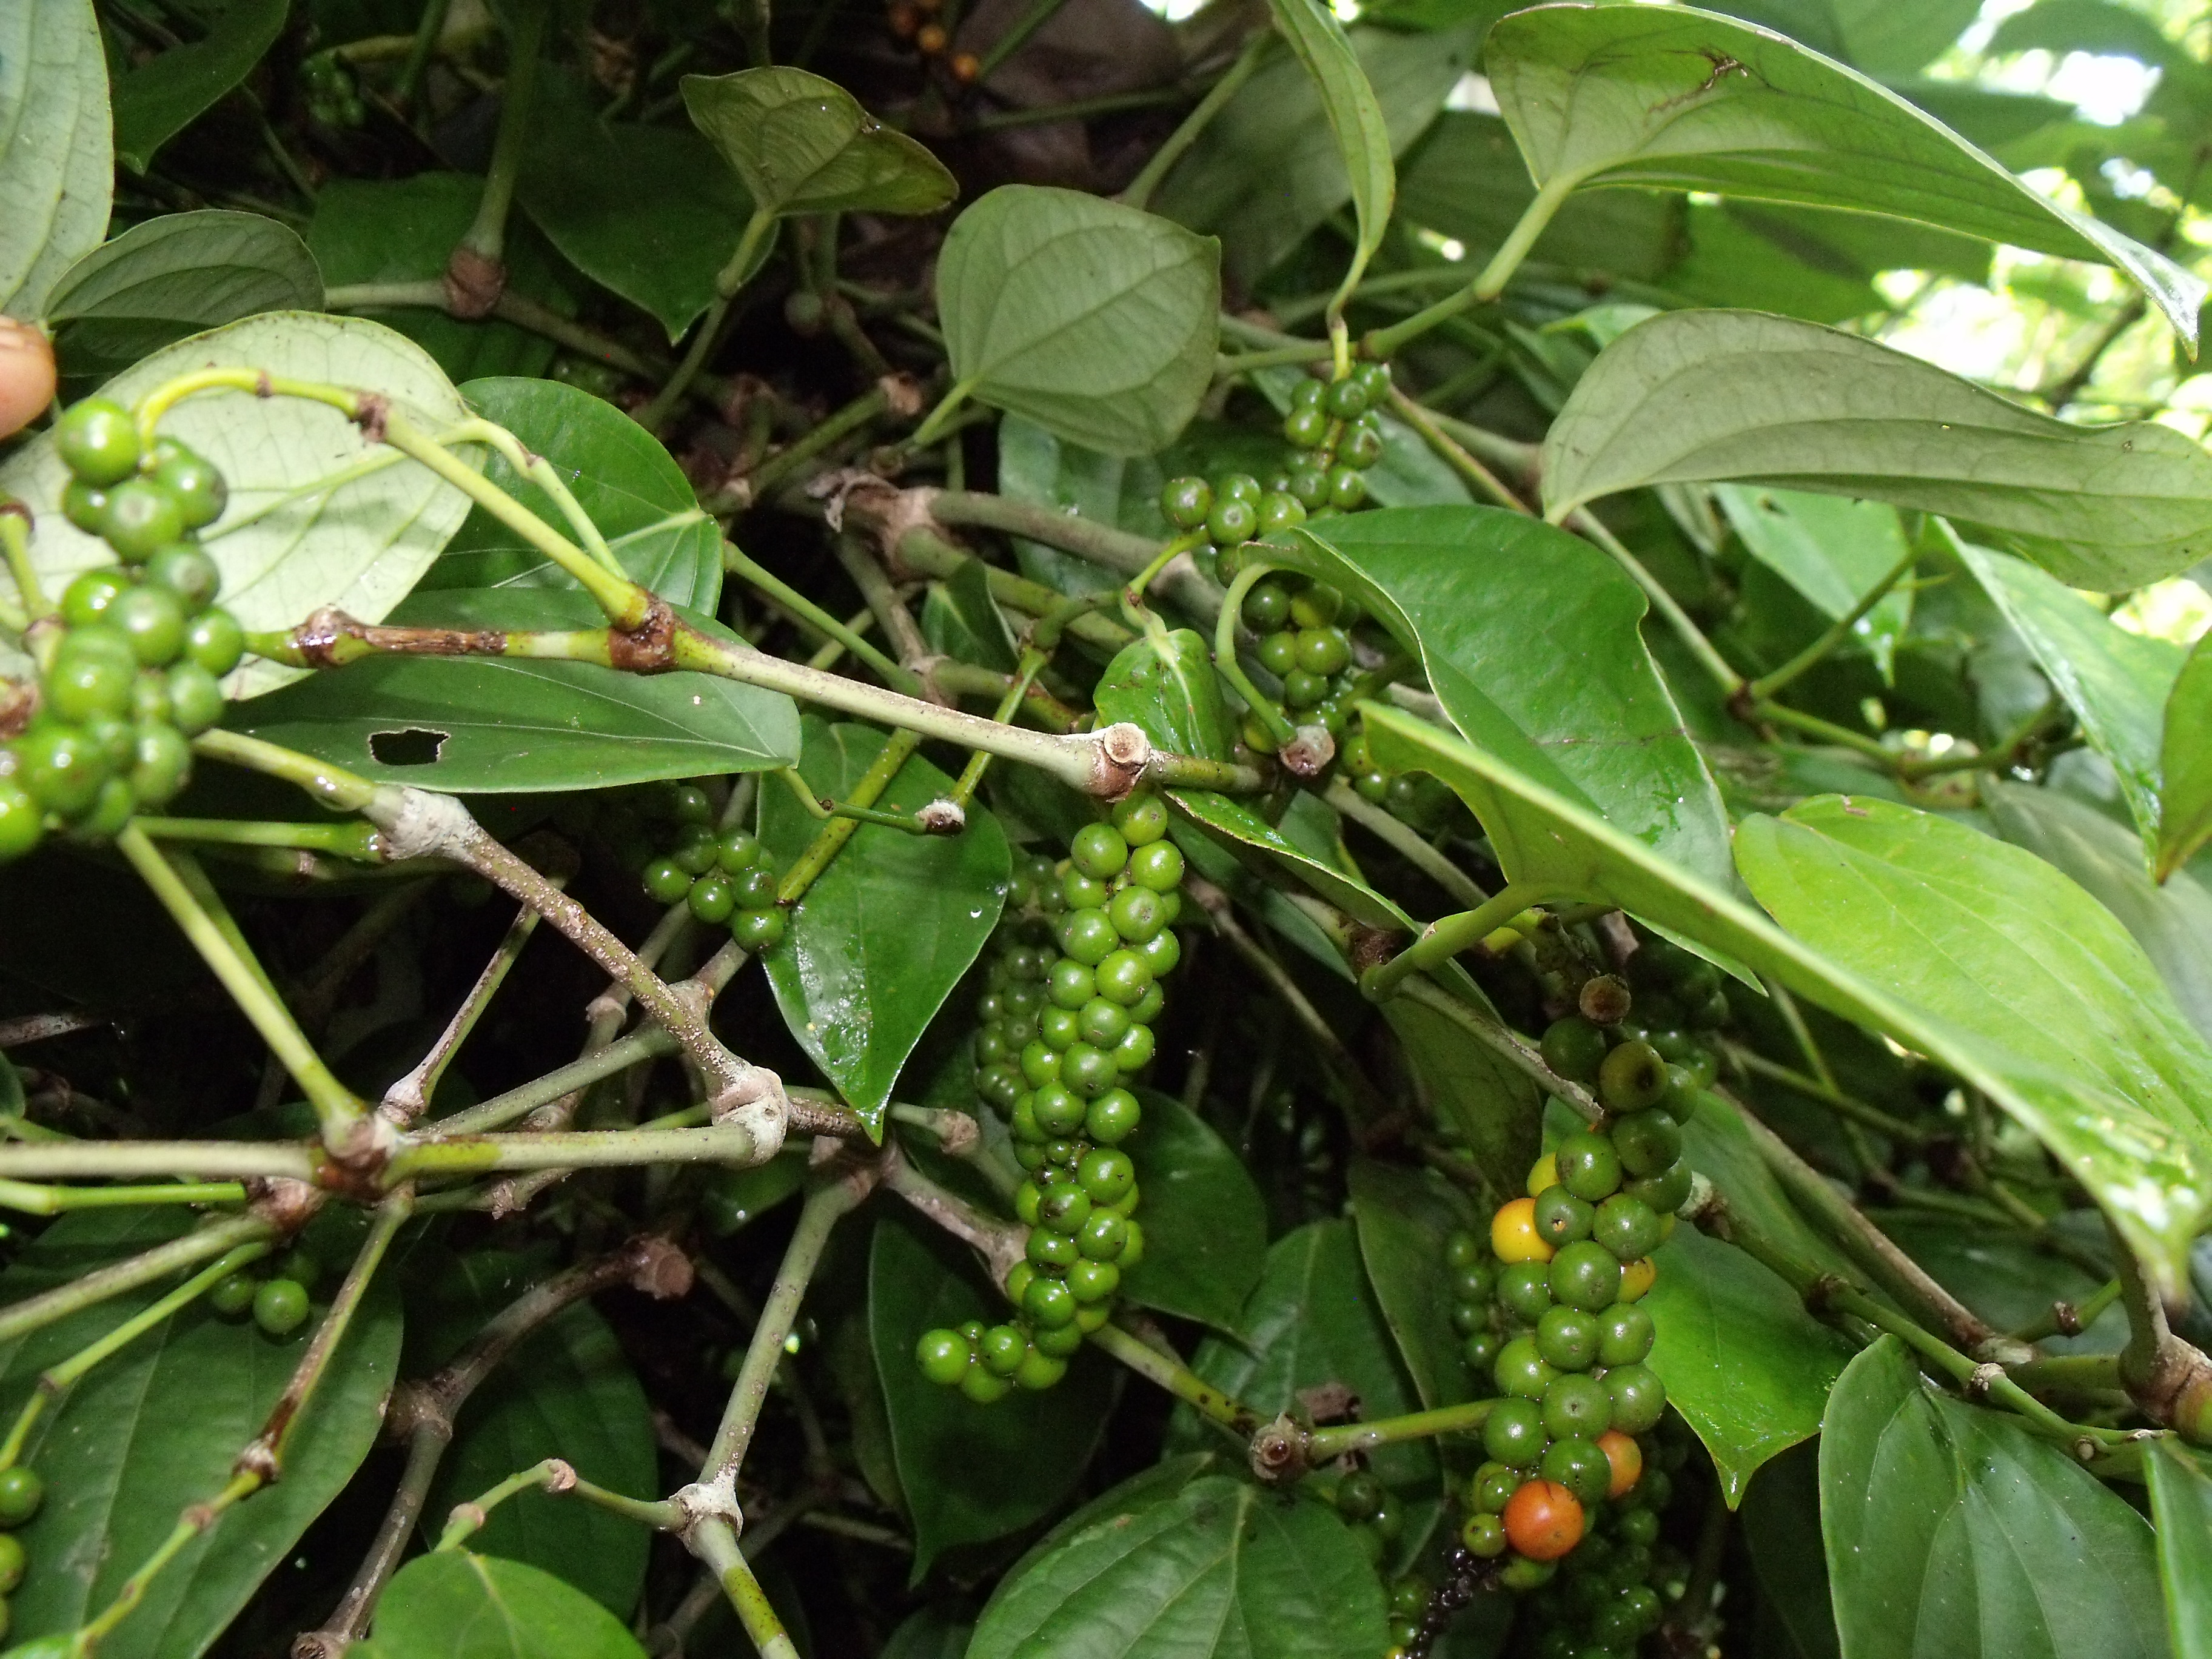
{"x":232,"y":1160}
{"x":1586,"y":523}
{"x":1322,"y":1444}
{"x":1177,"y":1378}
{"x":947,"y":406}
{"x":332,"y":785}
{"x":357,"y":842}
{"x":1445,"y":938}
{"x":1077,"y":109}
{"x":2075,"y":1318}
{"x":189,"y":1526}
{"x":2071,"y":1373}
{"x":510,"y":307}
{"x":16,"y":544}
{"x":738,"y":562}
{"x":409,"y":1097}
{"x":1767,"y":684}
{"x":555,"y":1477}
{"x":770,"y":475}
{"x":1263,"y":706}
{"x":487,"y":233}
{"x":90,"y":1290}
{"x":729,"y":282}
{"x":731,"y":1143}
{"x":1040,"y":13}
{"x":1140,"y":192}
{"x":428,"y":30}
{"x":1509,"y":1045}
{"x":1826,"y":731}
{"x":1383,"y":344}
{"x":1284,"y":356}
{"x":829,"y":840}
{"x":1454,"y":455}
{"x":713,"y":1543}
{"x":1404,"y":841}
{"x":343,"y":1116}
{"x":1896,"y":1128}
{"x":54,"y":1201}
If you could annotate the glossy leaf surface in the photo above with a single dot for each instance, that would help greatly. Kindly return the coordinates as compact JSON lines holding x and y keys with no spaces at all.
{"x":2116,"y":682}
{"x":885,"y":932}
{"x":1167,"y":686}
{"x":626,"y":482}
{"x":1206,"y":1224}
{"x":456,"y":1605}
{"x":969,"y":1472}
{"x":56,"y":157}
{"x":155,"y":1428}
{"x":1692,"y":396}
{"x":1743,"y":1362}
{"x":284,"y":547}
{"x":1221,"y":1568}
{"x":2181,"y":1510}
{"x":506,"y":725}
{"x":1093,"y":320}
{"x":1354,"y":114}
{"x":2185,"y":801}
{"x":168,"y":277}
{"x":1951,"y":1531}
{"x":803,"y":144}
{"x":165,"y":94}
{"x":1404,"y":1219}
{"x":1684,"y":99}
{"x":1529,"y":636}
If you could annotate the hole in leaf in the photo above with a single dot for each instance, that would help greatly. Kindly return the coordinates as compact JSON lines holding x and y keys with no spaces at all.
{"x":413,"y":747}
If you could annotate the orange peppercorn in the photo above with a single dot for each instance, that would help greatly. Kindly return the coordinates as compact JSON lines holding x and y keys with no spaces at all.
{"x":931,"y":39}
{"x":966,"y":66}
{"x":1627,"y":1460}
{"x":1543,"y":1520}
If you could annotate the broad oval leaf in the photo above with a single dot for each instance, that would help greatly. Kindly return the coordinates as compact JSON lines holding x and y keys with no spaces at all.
{"x":1692,"y":396}
{"x":2023,"y":969}
{"x":626,"y":482}
{"x":285,"y":547}
{"x":2172,"y":922}
{"x":1952,"y":1532}
{"x":1268,"y":169}
{"x":57,"y":156}
{"x":455,"y":1605}
{"x":1220,"y":1570}
{"x":648,"y":212}
{"x":1355,"y":119}
{"x":168,"y":277}
{"x":1094,"y":319}
{"x":885,"y":932}
{"x":1831,"y":551}
{"x":1530,"y":639}
{"x":1206,"y":1224}
{"x":1475,"y":1095}
{"x":1743,"y":1362}
{"x":1165,"y":683}
{"x":1405,"y":1217}
{"x":2185,"y":821}
{"x":969,"y":1472}
{"x":803,"y":144}
{"x":2116,"y":683}
{"x":2143,"y":1158}
{"x":156,"y":1427}
{"x":1677,"y":99}
{"x":171,"y":90}
{"x":507,"y":726}
{"x":2181,"y":1510}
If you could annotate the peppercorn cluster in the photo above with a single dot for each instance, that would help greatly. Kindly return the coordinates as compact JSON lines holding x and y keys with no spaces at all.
{"x":1066,"y":1017}
{"x":132,"y":674}
{"x":725,"y":876}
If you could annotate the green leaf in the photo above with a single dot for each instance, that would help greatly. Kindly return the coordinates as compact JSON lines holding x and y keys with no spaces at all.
{"x":1891,"y":41}
{"x":454,"y":1605}
{"x":1743,"y":1362}
{"x":1355,"y":118}
{"x":1465,"y":181}
{"x":649,"y":212}
{"x":1530,"y":639}
{"x":1231,"y":819}
{"x":1094,"y":319}
{"x":1682,"y":100}
{"x":168,"y":93}
{"x":2141,"y":1154}
{"x":1405,"y":1217}
{"x":404,"y":230}
{"x":885,"y":932}
{"x":506,"y":725}
{"x":2009,"y":1277}
{"x":969,"y":1472}
{"x":156,"y":1427}
{"x":2181,"y":1510}
{"x":1314,"y":1319}
{"x":168,"y":277}
{"x":1483,"y":1102}
{"x":960,"y":616}
{"x":2029,"y":972}
{"x":360,"y":546}
{"x":1695,"y":395}
{"x":567,"y":1392}
{"x":1268,"y":169}
{"x":1206,"y":1224}
{"x":1951,"y":1531}
{"x":57,"y":159}
{"x":803,"y":144}
{"x":2172,"y":923}
{"x":2185,"y":800}
{"x":1166,"y":685}
{"x":1782,"y":1534}
{"x":1220,"y":1570}
{"x":2117,"y":683}
{"x":930,"y":1633}
{"x":626,"y":482}
{"x":1124,"y":491}
{"x":1831,"y":551}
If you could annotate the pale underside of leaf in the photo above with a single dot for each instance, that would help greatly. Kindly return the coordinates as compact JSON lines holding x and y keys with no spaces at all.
{"x":57,"y":158}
